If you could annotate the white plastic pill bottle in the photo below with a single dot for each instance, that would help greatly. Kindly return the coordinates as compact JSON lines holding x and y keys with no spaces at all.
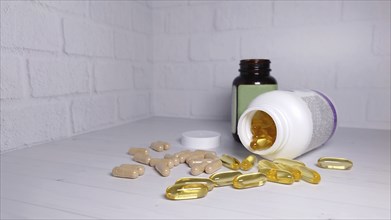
{"x":304,"y":120}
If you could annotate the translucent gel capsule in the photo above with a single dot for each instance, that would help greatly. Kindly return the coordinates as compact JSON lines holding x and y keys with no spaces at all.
{"x":224,"y":178}
{"x":209,"y":183}
{"x":248,"y":162}
{"x":335,"y":163}
{"x":289,"y":162}
{"x":266,"y":164}
{"x":184,"y":191}
{"x":230,"y":162}
{"x":277,"y":176}
{"x":309,"y":175}
{"x":249,"y":180}
{"x":295,"y":172}
{"x":263,"y":130}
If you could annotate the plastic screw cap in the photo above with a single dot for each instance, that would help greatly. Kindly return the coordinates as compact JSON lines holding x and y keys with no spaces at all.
{"x":200,"y":139}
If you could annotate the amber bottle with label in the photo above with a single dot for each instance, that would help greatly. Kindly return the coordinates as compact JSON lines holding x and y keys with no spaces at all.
{"x":254,"y":79}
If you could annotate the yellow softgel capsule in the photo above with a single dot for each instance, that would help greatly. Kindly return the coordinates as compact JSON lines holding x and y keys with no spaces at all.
{"x":248,"y":162}
{"x":309,"y":175}
{"x":266,"y":164}
{"x":295,"y":172}
{"x":249,"y":180}
{"x":183,"y":191}
{"x":289,"y":162}
{"x":224,"y":178}
{"x":335,"y":163}
{"x":209,"y":183}
{"x":230,"y":162}
{"x":277,"y":176}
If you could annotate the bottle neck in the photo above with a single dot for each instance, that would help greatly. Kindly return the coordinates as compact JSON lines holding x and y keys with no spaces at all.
{"x":254,"y":68}
{"x":254,"y":74}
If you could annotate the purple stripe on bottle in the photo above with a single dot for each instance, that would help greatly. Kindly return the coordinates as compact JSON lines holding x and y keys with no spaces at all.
{"x":332,"y":109}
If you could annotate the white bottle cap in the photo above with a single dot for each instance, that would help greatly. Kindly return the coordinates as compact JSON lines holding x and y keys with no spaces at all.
{"x":200,"y":139}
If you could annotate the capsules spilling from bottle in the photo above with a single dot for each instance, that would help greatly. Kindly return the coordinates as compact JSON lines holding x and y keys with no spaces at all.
{"x":280,"y":170}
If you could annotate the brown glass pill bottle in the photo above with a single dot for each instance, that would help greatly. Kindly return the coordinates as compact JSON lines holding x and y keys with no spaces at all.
{"x":254,"y":79}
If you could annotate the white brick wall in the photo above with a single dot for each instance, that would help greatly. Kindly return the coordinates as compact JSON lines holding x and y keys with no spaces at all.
{"x":57,"y":77}
{"x":69,"y":67}
{"x":339,"y":47}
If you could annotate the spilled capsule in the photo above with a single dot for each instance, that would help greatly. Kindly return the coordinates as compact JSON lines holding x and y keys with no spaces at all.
{"x":183,"y":191}
{"x":295,"y":172}
{"x":248,"y":162}
{"x":188,"y":180}
{"x":289,"y":162}
{"x":309,"y":175}
{"x":277,"y":176}
{"x":230,"y":162}
{"x":249,"y":180}
{"x":266,"y":164}
{"x":335,"y":163}
{"x":224,"y":178}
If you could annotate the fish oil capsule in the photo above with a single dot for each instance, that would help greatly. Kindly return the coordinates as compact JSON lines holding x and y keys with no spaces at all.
{"x":266,"y":164}
{"x":213,"y":166}
{"x":224,"y":178}
{"x":142,"y":158}
{"x":140,"y":169}
{"x":295,"y":172}
{"x":209,"y":183}
{"x":249,"y":180}
{"x":335,"y":163}
{"x":248,"y":162}
{"x":277,"y":176}
{"x":134,"y":150}
{"x":289,"y":162}
{"x":198,"y":169}
{"x":125,"y":173}
{"x":186,"y":191}
{"x":163,"y":168}
{"x":230,"y":162}
{"x":309,"y":175}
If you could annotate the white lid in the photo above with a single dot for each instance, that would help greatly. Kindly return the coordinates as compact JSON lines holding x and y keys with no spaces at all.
{"x":200,"y":139}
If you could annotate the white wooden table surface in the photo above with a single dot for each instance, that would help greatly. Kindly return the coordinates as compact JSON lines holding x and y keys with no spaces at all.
{"x":70,"y":179}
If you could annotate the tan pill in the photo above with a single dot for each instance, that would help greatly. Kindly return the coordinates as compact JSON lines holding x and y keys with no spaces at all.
{"x":142,"y":158}
{"x":194,"y":156}
{"x":160,"y":146}
{"x":211,"y":155}
{"x":154,"y":161}
{"x":134,"y":150}
{"x":125,"y":173}
{"x":198,"y":169}
{"x":157,"y":147}
{"x":174,"y":158}
{"x":214,"y":166}
{"x":183,"y":155}
{"x":198,"y":162}
{"x":203,"y":152}
{"x":140,"y":169}
{"x":163,"y":168}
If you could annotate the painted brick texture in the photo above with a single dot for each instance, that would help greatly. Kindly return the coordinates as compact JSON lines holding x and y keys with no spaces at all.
{"x":69,"y":67}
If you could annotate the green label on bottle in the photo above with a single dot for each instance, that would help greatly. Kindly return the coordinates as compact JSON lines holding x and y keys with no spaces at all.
{"x":245,"y":94}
